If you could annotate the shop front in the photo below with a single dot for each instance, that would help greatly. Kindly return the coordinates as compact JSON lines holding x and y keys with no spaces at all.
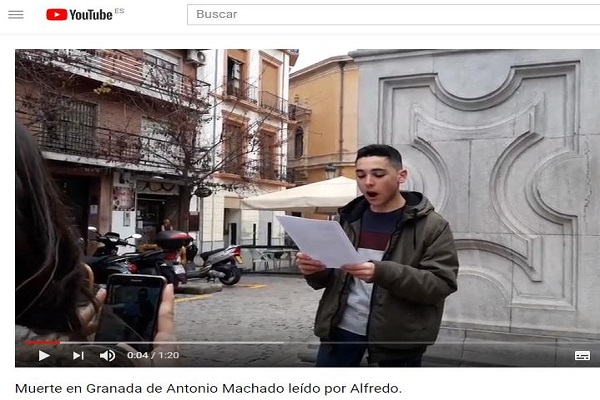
{"x":156,"y":200}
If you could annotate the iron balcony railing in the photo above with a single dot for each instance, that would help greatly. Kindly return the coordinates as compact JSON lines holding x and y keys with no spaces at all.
{"x":273,"y":103}
{"x":144,"y":150}
{"x":126,"y":69}
{"x":245,"y":91}
{"x":81,"y":140}
{"x":241,"y":90}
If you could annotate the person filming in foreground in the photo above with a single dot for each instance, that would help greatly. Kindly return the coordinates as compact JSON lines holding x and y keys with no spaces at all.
{"x":55,"y":297}
{"x":392,"y":305}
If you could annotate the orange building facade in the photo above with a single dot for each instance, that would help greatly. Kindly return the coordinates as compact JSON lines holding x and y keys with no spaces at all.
{"x":328,"y":139}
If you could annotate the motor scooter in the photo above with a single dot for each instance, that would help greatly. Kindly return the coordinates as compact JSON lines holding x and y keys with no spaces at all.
{"x":111,"y":241}
{"x":105,"y":266}
{"x":164,"y":257}
{"x":219,"y":264}
{"x":153,"y":262}
{"x":105,"y":261}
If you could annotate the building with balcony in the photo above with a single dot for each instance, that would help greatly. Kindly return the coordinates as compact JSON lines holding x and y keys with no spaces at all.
{"x":250,"y":112}
{"x":99,"y":117}
{"x":323,"y":135}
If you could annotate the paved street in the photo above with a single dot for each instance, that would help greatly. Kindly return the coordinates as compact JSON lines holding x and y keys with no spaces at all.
{"x":273,"y":315}
{"x":267,"y":320}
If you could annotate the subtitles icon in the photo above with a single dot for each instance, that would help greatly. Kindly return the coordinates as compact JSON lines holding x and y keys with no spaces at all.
{"x":56,"y":14}
{"x":583,"y":355}
{"x":108,"y":355}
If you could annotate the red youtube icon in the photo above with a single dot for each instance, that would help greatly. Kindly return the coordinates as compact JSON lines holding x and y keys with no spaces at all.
{"x":56,"y":14}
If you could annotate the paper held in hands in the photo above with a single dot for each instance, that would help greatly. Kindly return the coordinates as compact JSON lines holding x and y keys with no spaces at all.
{"x":321,"y":240}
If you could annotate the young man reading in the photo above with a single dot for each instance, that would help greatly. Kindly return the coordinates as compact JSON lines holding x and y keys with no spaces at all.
{"x":392,"y":305}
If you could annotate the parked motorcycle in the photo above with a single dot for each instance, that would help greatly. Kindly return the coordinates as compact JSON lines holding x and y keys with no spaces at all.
{"x":153,"y":262}
{"x":105,"y":266}
{"x":105,"y":261}
{"x":220,"y":264}
{"x":111,"y":241}
{"x":164,"y":257}
{"x":190,"y":252}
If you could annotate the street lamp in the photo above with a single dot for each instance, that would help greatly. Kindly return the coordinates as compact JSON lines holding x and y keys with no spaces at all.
{"x":330,"y":171}
{"x":201,"y":193}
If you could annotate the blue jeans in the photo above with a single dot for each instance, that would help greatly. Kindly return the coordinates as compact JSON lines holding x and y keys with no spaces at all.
{"x":347,"y":349}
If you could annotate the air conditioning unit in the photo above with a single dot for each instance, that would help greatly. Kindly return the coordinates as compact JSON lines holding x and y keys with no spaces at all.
{"x":196,"y":57}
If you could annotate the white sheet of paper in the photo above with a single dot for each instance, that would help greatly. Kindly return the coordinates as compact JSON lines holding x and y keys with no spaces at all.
{"x":321,"y":240}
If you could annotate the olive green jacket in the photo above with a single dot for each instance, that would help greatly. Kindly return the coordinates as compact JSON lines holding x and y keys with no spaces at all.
{"x":418,"y":271}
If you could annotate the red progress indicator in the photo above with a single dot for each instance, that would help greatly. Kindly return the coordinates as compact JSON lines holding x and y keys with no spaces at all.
{"x":34,"y":342}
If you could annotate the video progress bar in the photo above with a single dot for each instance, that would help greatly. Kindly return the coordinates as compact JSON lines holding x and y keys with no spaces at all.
{"x":461,"y":342}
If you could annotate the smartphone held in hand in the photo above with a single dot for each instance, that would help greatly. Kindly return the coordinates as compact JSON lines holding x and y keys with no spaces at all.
{"x":131,"y":310}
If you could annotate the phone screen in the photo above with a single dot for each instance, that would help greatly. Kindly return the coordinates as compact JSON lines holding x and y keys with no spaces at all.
{"x":131,"y":310}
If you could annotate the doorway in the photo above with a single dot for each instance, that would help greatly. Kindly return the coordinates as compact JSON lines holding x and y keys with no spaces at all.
{"x":76,"y":195}
{"x":232,"y":219}
{"x":151,"y":210}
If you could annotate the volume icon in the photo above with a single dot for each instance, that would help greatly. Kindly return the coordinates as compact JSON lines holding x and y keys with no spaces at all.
{"x":108,"y":355}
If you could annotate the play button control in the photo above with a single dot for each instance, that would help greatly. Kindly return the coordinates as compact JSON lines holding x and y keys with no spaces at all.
{"x":42,"y":355}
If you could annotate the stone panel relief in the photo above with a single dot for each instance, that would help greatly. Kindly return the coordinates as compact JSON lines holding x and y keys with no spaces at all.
{"x":521,"y":144}
{"x":473,"y":308}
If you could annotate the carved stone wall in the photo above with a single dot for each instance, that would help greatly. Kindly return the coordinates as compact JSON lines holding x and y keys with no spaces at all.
{"x":506,"y":144}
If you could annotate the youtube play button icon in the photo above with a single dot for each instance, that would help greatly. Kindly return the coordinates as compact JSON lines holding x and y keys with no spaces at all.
{"x":56,"y":14}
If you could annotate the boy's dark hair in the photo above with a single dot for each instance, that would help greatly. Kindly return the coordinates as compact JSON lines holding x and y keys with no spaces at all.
{"x":381,"y":150}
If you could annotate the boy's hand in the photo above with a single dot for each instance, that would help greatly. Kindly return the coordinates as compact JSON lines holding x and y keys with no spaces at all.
{"x":307,"y":265}
{"x":364,"y":271}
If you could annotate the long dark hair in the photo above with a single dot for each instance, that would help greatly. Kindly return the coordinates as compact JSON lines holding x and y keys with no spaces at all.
{"x":50,"y":279}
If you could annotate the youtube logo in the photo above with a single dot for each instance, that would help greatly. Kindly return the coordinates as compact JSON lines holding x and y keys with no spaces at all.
{"x":62,"y":14}
{"x":56,"y":14}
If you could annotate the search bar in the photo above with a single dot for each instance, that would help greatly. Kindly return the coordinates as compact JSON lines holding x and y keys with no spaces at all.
{"x":393,"y":14}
